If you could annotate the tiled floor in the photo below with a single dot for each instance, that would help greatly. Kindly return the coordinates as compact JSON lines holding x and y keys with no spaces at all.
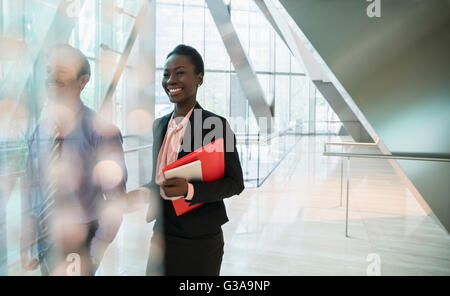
{"x":294,"y":224}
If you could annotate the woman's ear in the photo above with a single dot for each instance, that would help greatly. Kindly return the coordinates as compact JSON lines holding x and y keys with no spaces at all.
{"x":199,"y":79}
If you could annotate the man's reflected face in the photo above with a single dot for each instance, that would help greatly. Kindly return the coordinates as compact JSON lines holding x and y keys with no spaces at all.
{"x":63,"y":80}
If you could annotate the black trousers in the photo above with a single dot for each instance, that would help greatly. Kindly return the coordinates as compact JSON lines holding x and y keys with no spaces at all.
{"x":56,"y":260}
{"x":171,"y":255}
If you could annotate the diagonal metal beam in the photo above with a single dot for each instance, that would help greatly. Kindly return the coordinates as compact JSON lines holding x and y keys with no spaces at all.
{"x":245,"y":73}
{"x":296,"y":47}
{"x":300,"y":51}
{"x":106,"y":107}
{"x":264,"y":9}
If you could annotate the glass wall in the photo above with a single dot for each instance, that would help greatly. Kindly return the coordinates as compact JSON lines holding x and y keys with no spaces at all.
{"x":281,"y":77}
{"x":327,"y":121}
{"x":101,"y":31}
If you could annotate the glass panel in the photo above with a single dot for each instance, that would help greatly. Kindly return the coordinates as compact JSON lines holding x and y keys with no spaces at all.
{"x":282,"y":56}
{"x":240,"y":4}
{"x":23,"y":31}
{"x":260,"y":41}
{"x":321,"y":114}
{"x":215,"y":93}
{"x":300,"y":103}
{"x":252,"y":123}
{"x":176,"y":2}
{"x":282,"y":101}
{"x":238,"y":106}
{"x":25,"y":23}
{"x":295,"y":66}
{"x":216,"y":56}
{"x":169,"y":20}
{"x":86,"y":40}
{"x":29,"y":21}
{"x":201,"y":3}
{"x":193,"y":27}
{"x":240,"y":21}
{"x":327,"y":121}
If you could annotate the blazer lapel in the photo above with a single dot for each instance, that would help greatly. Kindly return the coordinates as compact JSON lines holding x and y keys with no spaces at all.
{"x":192,"y":126}
{"x":160,"y":132}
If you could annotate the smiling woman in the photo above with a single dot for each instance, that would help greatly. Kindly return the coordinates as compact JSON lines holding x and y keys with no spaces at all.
{"x":197,"y":233}
{"x":183,"y":74}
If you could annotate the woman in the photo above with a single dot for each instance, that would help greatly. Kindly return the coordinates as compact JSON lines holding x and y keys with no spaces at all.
{"x":192,"y":243}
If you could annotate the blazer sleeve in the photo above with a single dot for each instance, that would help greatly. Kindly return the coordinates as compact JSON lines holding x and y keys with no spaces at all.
{"x":231,"y":184}
{"x":154,"y":188}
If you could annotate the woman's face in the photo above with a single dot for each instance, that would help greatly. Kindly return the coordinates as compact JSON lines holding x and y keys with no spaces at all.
{"x":179,"y":79}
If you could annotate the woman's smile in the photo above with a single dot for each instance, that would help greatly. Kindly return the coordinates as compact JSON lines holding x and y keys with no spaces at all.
{"x":174,"y":91}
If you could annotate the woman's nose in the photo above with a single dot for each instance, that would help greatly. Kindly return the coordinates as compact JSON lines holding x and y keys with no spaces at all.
{"x":171,"y":79}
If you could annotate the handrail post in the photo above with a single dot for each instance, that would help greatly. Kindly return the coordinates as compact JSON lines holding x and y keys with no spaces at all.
{"x":257,"y":174}
{"x":3,"y":239}
{"x":342,"y":177}
{"x":346,"y":203}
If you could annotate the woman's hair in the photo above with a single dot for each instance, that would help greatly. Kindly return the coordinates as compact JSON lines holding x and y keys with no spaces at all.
{"x":192,"y":53}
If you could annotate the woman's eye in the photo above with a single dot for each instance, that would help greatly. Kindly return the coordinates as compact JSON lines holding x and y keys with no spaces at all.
{"x":180,"y":72}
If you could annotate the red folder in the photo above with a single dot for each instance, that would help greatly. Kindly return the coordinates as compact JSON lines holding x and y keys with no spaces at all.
{"x":212,"y":158}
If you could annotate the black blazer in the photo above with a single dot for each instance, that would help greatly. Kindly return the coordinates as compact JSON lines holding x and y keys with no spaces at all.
{"x":207,"y":218}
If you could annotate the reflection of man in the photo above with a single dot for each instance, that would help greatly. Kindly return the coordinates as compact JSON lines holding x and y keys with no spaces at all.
{"x":75,"y":178}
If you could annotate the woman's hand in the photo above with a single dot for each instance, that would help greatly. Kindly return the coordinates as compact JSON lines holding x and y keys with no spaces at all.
{"x":175,"y":187}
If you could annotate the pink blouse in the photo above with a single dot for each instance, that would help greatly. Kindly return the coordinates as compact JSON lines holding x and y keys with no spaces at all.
{"x":169,"y":151}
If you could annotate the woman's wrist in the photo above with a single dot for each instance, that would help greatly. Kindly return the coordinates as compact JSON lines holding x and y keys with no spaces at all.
{"x":190,"y":192}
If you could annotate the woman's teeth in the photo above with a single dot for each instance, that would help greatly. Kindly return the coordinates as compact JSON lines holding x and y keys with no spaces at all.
{"x":174,"y":91}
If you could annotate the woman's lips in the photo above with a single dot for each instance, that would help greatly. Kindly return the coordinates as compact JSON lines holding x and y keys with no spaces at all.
{"x":174,"y":91}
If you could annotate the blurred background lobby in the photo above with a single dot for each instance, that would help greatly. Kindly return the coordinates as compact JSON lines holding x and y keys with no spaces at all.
{"x":354,"y":170}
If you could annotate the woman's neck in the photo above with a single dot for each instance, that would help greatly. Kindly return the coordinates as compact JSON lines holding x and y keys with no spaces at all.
{"x":183,"y":108}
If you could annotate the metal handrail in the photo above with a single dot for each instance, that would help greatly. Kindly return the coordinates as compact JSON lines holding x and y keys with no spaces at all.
{"x":350,"y":144}
{"x":400,"y":156}
{"x":14,"y":148}
{"x":138,"y":148}
{"x":22,"y":172}
{"x":389,"y":156}
{"x":261,"y":140}
{"x":249,"y":142}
